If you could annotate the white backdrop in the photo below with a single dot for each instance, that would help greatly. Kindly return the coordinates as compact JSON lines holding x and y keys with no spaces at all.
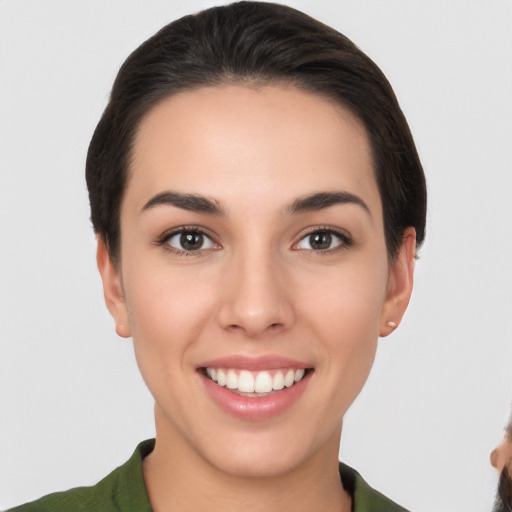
{"x":72,"y":403}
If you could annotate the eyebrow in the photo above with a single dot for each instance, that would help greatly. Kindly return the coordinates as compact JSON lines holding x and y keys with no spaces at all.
{"x":201,"y":204}
{"x":321,"y":200}
{"x":191,"y":202}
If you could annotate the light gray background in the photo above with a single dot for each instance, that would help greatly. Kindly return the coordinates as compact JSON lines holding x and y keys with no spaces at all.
{"x":72,"y":403}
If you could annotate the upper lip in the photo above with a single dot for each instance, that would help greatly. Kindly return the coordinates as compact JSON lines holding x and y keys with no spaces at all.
{"x":254,"y":363}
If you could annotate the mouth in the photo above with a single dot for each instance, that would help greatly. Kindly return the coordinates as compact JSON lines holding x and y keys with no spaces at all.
{"x":257,"y":384}
{"x":255,"y":388}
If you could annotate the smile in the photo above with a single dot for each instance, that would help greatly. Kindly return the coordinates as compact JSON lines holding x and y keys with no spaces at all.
{"x":255,"y":388}
{"x":255,"y":383}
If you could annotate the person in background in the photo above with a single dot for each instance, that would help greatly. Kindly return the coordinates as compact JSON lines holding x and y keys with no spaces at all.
{"x":501,"y":459}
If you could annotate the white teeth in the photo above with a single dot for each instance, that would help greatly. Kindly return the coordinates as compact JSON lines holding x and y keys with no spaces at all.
{"x":263,"y":383}
{"x":278,"y":381}
{"x":255,"y":382}
{"x":231,"y":380}
{"x":299,"y":374}
{"x":289,"y":378}
{"x":221,"y":377}
{"x":246,"y":382}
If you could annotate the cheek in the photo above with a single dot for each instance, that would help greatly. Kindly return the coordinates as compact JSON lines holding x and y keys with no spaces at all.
{"x":167,"y":309}
{"x":343,"y":311}
{"x":347,"y":301}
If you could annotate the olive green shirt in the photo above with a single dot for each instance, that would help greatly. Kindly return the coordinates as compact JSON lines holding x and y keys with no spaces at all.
{"x":123,"y":490}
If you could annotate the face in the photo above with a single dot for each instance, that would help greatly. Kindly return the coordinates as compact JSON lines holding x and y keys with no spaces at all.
{"x":253,"y":277}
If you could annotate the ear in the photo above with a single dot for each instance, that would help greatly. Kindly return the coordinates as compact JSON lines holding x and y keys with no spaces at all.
{"x":113,"y":290}
{"x":399,"y":284}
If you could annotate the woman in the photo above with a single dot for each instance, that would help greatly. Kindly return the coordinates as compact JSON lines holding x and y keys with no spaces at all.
{"x":258,"y":202}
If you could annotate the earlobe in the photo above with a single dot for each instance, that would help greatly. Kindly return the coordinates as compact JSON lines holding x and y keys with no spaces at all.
{"x":399,"y":284}
{"x":113,"y":290}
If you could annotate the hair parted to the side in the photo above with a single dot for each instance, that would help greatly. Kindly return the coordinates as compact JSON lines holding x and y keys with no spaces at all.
{"x":256,"y":43}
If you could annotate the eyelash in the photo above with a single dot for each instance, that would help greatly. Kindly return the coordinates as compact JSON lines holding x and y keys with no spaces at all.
{"x":167,"y":236}
{"x":344,"y":240}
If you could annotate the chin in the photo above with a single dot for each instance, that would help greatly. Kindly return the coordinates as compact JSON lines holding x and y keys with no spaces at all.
{"x":271,"y":454}
{"x":258,"y":464}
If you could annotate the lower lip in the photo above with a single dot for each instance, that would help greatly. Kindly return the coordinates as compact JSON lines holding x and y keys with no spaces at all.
{"x":255,"y":408}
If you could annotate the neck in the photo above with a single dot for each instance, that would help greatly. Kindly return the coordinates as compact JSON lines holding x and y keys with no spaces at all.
{"x":178,"y":478}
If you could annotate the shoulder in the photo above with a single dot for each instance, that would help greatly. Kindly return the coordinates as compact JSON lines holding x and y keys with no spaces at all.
{"x":74,"y":500}
{"x":365,"y":498}
{"x":121,"y":490}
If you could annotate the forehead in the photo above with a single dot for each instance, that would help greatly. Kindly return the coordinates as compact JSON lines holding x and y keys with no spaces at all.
{"x":250,"y":141}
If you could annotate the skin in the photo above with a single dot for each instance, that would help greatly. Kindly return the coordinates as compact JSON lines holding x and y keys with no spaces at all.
{"x":501,"y":456}
{"x":501,"y":459}
{"x":258,"y":288}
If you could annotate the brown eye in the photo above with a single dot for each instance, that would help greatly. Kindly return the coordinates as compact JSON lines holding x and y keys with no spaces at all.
{"x":323,"y":240}
{"x":190,"y":241}
{"x":320,"y":241}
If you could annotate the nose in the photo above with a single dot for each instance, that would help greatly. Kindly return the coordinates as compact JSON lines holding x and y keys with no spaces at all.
{"x":494,"y":458}
{"x":256,"y":297}
{"x":502,"y":454}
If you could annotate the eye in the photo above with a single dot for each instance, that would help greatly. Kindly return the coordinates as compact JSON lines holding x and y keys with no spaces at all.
{"x":189,"y":240}
{"x":323,"y":240}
